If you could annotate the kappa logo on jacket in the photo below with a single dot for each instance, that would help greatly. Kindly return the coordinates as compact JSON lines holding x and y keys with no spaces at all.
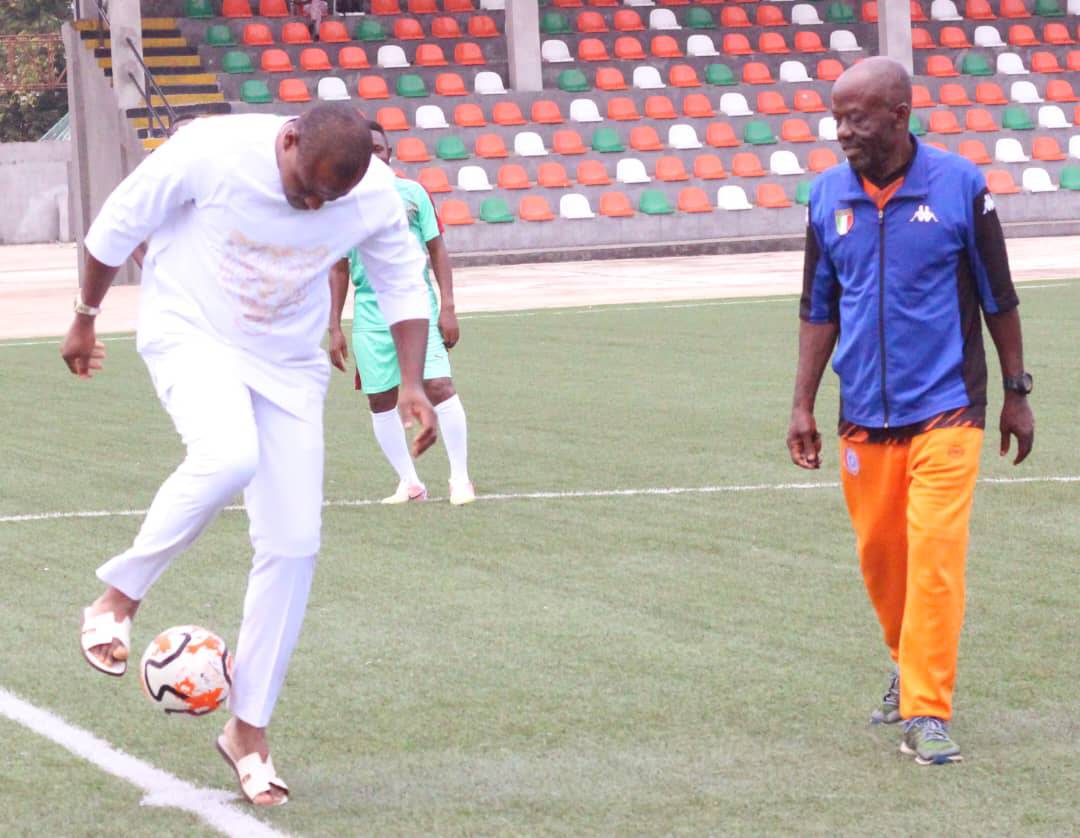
{"x":923,"y":214}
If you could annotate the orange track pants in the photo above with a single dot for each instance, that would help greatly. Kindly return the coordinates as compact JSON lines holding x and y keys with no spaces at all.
{"x":910,"y":506}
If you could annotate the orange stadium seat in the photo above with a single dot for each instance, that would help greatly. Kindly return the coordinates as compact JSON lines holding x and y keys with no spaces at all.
{"x":276,"y":61}
{"x":313,"y":59}
{"x":385,"y":7}
{"x":392,"y":119}
{"x":430,"y":55}
{"x":627,"y":20}
{"x":591,"y":22}
{"x":944,"y":122}
{"x":659,"y":107}
{"x":978,"y":10}
{"x":670,"y":169}
{"x":469,"y":116}
{"x":616,"y":205}
{"x":552,"y":176}
{"x":454,"y":213}
{"x":755,"y":72}
{"x":989,"y":93}
{"x":513,"y":176}
{"x":610,"y":78}
{"x":333,"y":32}
{"x":917,"y":13}
{"x":808,"y":100}
{"x":628,"y":48}
{"x":821,"y":158}
{"x":921,"y":38}
{"x":921,"y":97}
{"x":447,"y":27}
{"x":1073,"y":61}
{"x":450,"y":84}
{"x":940,"y":66}
{"x":372,"y":87}
{"x":353,"y":58}
{"x":953,"y":37}
{"x":1046,"y":148}
{"x":568,"y":141}
{"x":452,"y":7}
{"x":235,"y":8}
{"x":1076,"y":116}
{"x":604,"y":3}
{"x":733,"y":17}
{"x":422,"y":7}
{"x":480,"y":26}
{"x":697,"y":106}
{"x":829,"y":69}
{"x":567,"y":4}
{"x":622,"y":109}
{"x":772,"y":43}
{"x":664,"y":46}
{"x":1014,"y":9}
{"x":709,"y":167}
{"x":412,"y":150}
{"x":592,"y":173}
{"x":645,"y":138}
{"x":796,"y":130}
{"x":735,"y":43}
{"x":772,"y":196}
{"x":293,"y":90}
{"x":869,"y":12}
{"x":546,"y":112}
{"x":721,"y":135}
{"x":1059,"y":90}
{"x":1057,"y":34}
{"x":491,"y":146}
{"x":683,"y":75}
{"x":807,"y":41}
{"x":468,"y":54}
{"x":273,"y":8}
{"x":295,"y":32}
{"x":954,"y":95}
{"x":694,"y":199}
{"x":1045,"y":62}
{"x":507,"y":113}
{"x":408,"y":29}
{"x":769,"y":15}
{"x":747,"y":164}
{"x":975,"y":151}
{"x":1000,"y":182}
{"x":592,"y":49}
{"x":1022,"y":35}
{"x":771,"y":102}
{"x":257,"y":35}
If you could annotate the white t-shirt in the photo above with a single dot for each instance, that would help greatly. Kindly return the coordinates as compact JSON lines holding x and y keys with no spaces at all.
{"x":233,"y":268}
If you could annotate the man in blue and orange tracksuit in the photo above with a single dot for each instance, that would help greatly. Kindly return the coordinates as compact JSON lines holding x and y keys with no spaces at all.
{"x":903,"y":250}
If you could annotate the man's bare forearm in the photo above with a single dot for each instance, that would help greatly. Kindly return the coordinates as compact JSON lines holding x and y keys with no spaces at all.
{"x":97,"y":279}
{"x":339,"y":290}
{"x":816,"y":344}
{"x":440,"y":266}
{"x":1006,"y":333}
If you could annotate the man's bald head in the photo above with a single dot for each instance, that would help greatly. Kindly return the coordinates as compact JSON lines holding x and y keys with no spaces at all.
{"x":886,"y":79}
{"x":323,"y":154}
{"x":871,"y":102}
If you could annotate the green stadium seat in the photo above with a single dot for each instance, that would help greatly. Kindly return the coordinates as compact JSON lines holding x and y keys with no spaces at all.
{"x":255,"y":92}
{"x":370,"y":29}
{"x":840,"y":13}
{"x":219,"y":35}
{"x":1070,"y":177}
{"x":758,"y":132}
{"x":802,"y":193}
{"x":655,"y":202}
{"x":237,"y":62}
{"x":451,"y":148}
{"x":915,"y":126}
{"x":198,"y":9}
{"x":554,"y":23}
{"x":720,"y":74}
{"x":975,"y":64}
{"x":1048,"y":8}
{"x":607,"y":140}
{"x":411,"y":86}
{"x":698,"y":17}
{"x":573,"y":81}
{"x":1014,"y":118}
{"x":495,"y":211}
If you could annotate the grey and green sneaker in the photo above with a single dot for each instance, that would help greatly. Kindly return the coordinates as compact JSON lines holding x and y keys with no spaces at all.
{"x":927,"y":739}
{"x":888,"y":712}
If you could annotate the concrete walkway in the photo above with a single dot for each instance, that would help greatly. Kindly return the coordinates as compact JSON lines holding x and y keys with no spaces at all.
{"x":38,"y":282}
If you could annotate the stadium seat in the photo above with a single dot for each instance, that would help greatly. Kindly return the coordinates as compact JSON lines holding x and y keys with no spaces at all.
{"x":869,"y":12}
{"x":609,"y":79}
{"x":295,"y":32}
{"x":235,"y":8}
{"x":411,"y":86}
{"x":219,"y":35}
{"x":1015,"y":118}
{"x":944,"y":10}
{"x":412,"y":150}
{"x":683,"y":137}
{"x":839,"y":13}
{"x":422,"y":7}
{"x":454,"y":212}
{"x":670,"y":169}
{"x":647,"y":78}
{"x":255,"y":92}
{"x":628,"y":48}
{"x":1049,"y":8}
{"x":488,"y":83}
{"x":1046,"y":148}
{"x":698,"y":17}
{"x":1025,"y":93}
{"x":655,"y":202}
{"x":1022,"y":35}
{"x":921,"y":38}
{"x":769,"y":15}
{"x":720,"y":75}
{"x":1045,"y":62}
{"x":1013,"y":9}
{"x":273,"y":8}
{"x":333,"y":32}
{"x":1037,"y":179}
{"x":664,"y":46}
{"x":1059,"y":90}
{"x":979,"y":119}
{"x":480,"y":26}
{"x":1000,"y":182}
{"x":370,"y":29}
{"x":631,"y":170}
{"x":353,"y":58}
{"x":989,"y":93}
{"x":953,"y":95}
{"x":615,"y":205}
{"x":507,"y":113}
{"x":746,"y":164}
{"x":734,"y":104}
{"x":392,"y":119}
{"x":469,"y":54}
{"x":697,"y":106}
{"x":758,"y":132}
{"x":735,"y":43}
{"x":584,"y":110}
{"x":473,"y":179}
{"x":567,"y":141}
{"x":770,"y":102}
{"x":385,"y":7}
{"x":659,"y":107}
{"x":276,"y":61}
{"x":257,"y":35}
{"x":372,"y":87}
{"x":733,"y":17}
{"x":826,"y":129}
{"x":683,"y":75}
{"x":429,"y":55}
{"x":978,"y":10}
{"x":732,"y":198}
{"x":975,"y":151}
{"x":796,"y":130}
{"x":645,"y":138}
{"x":974,"y":64}
{"x":1051,"y":116}
{"x":988,"y":36}
{"x":458,"y":6}
{"x":921,"y":96}
{"x":944,"y":122}
{"x":694,"y":199}
{"x":606,"y":140}
{"x":592,"y":49}
{"x":808,"y":42}
{"x":793,"y":72}
{"x":574,"y":207}
{"x":1072,"y":61}
{"x":663,"y":19}
{"x":1070,"y":177}
{"x":198,"y":9}
{"x":552,"y":176}
{"x":429,"y":117}
{"x":772,"y":196}
{"x":941,"y":66}
{"x":829,"y":69}
{"x":451,"y":148}
{"x":513,"y":176}
{"x":808,"y":100}
{"x":953,"y":37}
{"x":314,"y":59}
{"x":756,"y":72}
{"x":622,"y":109}
{"x":1011,"y":64}
{"x":709,"y":167}
{"x":554,"y":51}
{"x":721,"y":135}
{"x":554,"y":23}
{"x":529,"y":144}
{"x":803,"y":14}
{"x":802,"y":193}
{"x":591,"y":22}
{"x":1057,"y":34}
{"x":785,"y":163}
{"x":627,"y":20}
{"x":915,"y":126}
{"x":545,"y":112}
{"x":821,"y":158}
{"x":700,"y":46}
{"x":772,"y":43}
{"x":1009,"y":150}
{"x":1074,"y":146}
{"x":592,"y":173}
{"x":236,"y":62}
{"x":447,"y":27}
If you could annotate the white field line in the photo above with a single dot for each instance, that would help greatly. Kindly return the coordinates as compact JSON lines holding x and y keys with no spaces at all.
{"x":511,"y":496}
{"x":160,"y":787}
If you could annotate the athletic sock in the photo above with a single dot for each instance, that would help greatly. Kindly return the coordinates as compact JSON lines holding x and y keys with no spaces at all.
{"x":391,"y":436}
{"x":455,"y":436}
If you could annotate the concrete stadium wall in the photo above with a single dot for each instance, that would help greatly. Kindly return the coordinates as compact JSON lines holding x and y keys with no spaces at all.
{"x":34,"y":183}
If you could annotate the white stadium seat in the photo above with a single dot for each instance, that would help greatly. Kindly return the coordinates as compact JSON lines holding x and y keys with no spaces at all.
{"x":555,"y":51}
{"x":647,"y":78}
{"x":826,"y":128}
{"x":1037,"y":179}
{"x":988,"y":36}
{"x":663,"y":19}
{"x":700,"y":45}
{"x":785,"y":163}
{"x":841,"y":40}
{"x":430,"y":116}
{"x":1024,"y":92}
{"x":803,"y":14}
{"x":529,"y":144}
{"x":1009,"y":150}
{"x":391,"y":55}
{"x":1051,"y":116}
{"x":944,"y":10}
{"x":631,"y":170}
{"x":732,"y":198}
{"x":584,"y":110}
{"x":734,"y":104}
{"x":473,"y":179}
{"x":794,"y":72}
{"x":332,"y":89}
{"x":683,"y":137}
{"x":487,"y":83}
{"x":574,"y":206}
{"x":1011,"y":64}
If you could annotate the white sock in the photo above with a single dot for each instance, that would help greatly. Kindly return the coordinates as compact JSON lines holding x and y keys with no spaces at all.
{"x":455,"y":436}
{"x":391,"y":436}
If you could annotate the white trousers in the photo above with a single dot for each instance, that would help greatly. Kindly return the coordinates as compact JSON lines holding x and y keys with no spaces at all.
{"x":236,"y":441}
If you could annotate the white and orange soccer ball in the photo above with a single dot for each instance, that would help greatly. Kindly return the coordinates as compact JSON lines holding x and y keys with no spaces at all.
{"x":186,"y":669}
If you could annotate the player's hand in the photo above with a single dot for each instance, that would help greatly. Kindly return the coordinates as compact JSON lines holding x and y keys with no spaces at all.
{"x":448,"y":327}
{"x":81,"y":350}
{"x":803,"y":439}
{"x":1017,"y":420}
{"x":339,"y":349}
{"x":414,"y":407}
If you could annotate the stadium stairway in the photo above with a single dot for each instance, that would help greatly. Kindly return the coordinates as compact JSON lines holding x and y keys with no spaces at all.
{"x":178,"y":70}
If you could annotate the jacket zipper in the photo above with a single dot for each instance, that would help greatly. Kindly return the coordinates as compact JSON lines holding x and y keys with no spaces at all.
{"x":881,"y":310}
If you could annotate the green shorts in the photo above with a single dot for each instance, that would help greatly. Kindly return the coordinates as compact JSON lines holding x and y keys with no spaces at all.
{"x":377,"y":363}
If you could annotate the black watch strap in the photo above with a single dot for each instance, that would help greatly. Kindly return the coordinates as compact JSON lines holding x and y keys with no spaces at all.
{"x":1021,"y":384}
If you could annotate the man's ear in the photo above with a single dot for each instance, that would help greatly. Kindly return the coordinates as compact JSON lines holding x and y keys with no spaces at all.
{"x":291,"y":138}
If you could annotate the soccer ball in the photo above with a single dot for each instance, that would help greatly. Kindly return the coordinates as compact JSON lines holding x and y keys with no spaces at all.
{"x":186,"y":669}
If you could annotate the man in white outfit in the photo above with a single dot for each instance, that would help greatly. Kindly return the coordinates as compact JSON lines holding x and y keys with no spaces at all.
{"x":244,"y":216}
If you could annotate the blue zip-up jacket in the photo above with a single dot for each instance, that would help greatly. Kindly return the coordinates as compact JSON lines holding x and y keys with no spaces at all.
{"x":906,"y":285}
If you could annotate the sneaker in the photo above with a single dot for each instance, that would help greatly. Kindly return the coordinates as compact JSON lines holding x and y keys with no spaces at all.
{"x":462,"y":493}
{"x":407,"y":492}
{"x":888,"y":712}
{"x":927,"y":739}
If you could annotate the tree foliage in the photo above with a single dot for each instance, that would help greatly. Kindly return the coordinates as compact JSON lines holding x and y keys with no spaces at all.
{"x":20,"y":17}
{"x":25,"y":116}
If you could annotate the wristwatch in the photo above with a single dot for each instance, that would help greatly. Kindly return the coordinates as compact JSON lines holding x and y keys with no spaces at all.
{"x":1020,"y":384}
{"x":83,"y":308}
